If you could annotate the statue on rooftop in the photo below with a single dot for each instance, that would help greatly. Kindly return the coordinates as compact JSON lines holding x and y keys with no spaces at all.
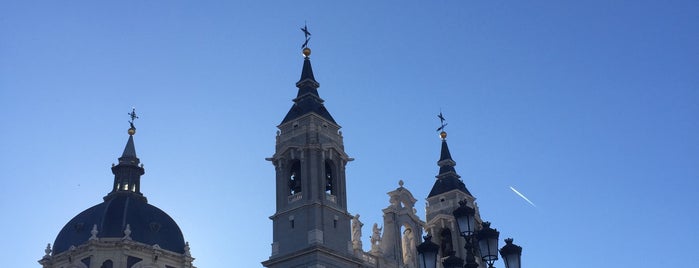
{"x":356,"y":232}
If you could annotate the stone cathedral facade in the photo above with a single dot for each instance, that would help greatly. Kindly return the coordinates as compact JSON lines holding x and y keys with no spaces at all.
{"x":311,"y":225}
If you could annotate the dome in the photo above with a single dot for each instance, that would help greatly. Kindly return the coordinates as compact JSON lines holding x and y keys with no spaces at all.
{"x":148,"y":224}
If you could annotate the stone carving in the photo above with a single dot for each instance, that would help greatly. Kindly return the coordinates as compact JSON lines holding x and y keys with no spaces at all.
{"x":47,"y":250}
{"x":408,"y":248}
{"x":356,"y":233}
{"x":156,"y":252}
{"x":127,"y":232}
{"x":186,"y":250}
{"x":94,"y":232}
{"x":375,"y":237}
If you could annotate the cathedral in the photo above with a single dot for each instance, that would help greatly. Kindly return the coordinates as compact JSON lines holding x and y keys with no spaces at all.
{"x":311,"y":226}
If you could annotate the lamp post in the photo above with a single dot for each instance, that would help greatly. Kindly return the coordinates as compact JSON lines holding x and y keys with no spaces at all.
{"x":488,"y":244}
{"x":511,"y":254}
{"x":465,"y":218}
{"x":427,"y":253}
{"x":484,"y":242}
{"x":466,"y":222}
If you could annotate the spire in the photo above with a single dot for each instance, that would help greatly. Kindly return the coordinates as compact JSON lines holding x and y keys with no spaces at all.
{"x":127,"y":174}
{"x":445,"y":163}
{"x":130,"y":149}
{"x":307,"y":99}
{"x":447,"y":179}
{"x":307,"y":84}
{"x":129,"y":154}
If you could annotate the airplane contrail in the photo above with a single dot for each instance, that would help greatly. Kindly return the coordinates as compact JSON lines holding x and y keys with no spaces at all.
{"x":522,"y":196}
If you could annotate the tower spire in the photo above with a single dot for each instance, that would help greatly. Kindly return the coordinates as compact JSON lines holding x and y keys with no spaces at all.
{"x":307,"y":99}
{"x":127,"y":174}
{"x":447,"y":179}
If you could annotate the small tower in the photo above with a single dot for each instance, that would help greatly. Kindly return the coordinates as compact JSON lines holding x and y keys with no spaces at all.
{"x":311,"y":225}
{"x":123,"y":231}
{"x":443,"y":199}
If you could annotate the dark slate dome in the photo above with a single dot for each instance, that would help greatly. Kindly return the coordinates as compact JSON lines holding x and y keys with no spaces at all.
{"x":124,"y":206}
{"x":148,"y":224}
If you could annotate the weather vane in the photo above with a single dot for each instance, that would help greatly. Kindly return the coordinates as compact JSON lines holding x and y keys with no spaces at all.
{"x":307,"y":34}
{"x":441,"y":121}
{"x":133,"y":117}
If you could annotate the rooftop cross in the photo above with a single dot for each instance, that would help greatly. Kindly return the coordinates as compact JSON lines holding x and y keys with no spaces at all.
{"x":441,"y":121}
{"x":133,"y":115}
{"x":307,"y":34}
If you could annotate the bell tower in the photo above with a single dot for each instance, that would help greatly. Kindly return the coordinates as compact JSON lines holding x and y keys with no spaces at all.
{"x":447,"y":194}
{"x":311,"y":225}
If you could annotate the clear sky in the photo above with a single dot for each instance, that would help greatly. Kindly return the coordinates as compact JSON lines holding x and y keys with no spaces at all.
{"x":589,"y":108}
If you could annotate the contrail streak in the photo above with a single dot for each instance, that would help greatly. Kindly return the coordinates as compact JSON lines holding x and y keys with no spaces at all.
{"x":522,"y":196}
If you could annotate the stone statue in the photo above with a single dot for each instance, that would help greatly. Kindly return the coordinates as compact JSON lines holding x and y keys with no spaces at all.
{"x":375,"y":237}
{"x":408,"y":248}
{"x":356,"y":233}
{"x":375,"y":234}
{"x":186,"y":249}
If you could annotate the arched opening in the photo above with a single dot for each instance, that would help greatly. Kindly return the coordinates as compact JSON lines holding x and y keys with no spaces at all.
{"x":329,"y":178}
{"x":107,"y":264}
{"x":295,"y":177}
{"x":446,"y":244}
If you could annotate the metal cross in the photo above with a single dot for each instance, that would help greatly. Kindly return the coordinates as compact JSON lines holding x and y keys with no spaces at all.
{"x":133,"y":115}
{"x":307,"y":34}
{"x":441,"y":121}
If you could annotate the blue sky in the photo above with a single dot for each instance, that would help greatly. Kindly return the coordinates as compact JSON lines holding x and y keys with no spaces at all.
{"x":589,"y":108}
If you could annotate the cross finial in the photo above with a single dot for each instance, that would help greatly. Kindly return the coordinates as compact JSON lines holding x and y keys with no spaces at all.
{"x":133,"y":116}
{"x":442,"y":134}
{"x":441,"y":121}
{"x":307,"y":34}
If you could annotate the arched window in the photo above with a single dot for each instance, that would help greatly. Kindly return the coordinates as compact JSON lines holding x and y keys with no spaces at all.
{"x":107,"y":264}
{"x":446,"y":244}
{"x":329,"y":178}
{"x":295,"y":177}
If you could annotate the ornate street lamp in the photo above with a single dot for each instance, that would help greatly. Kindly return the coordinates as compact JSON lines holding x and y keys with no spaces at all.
{"x":427,"y":253}
{"x":488,"y":243}
{"x":511,"y":254}
{"x":466,"y":222}
{"x":465,"y":218}
{"x":483,"y":242}
{"x":452,"y":261}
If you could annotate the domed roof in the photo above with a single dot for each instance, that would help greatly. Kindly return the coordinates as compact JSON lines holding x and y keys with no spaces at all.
{"x":125,"y":206}
{"x":148,"y":224}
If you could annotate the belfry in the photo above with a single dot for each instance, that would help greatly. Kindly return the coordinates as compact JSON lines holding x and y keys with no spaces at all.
{"x":311,"y":225}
